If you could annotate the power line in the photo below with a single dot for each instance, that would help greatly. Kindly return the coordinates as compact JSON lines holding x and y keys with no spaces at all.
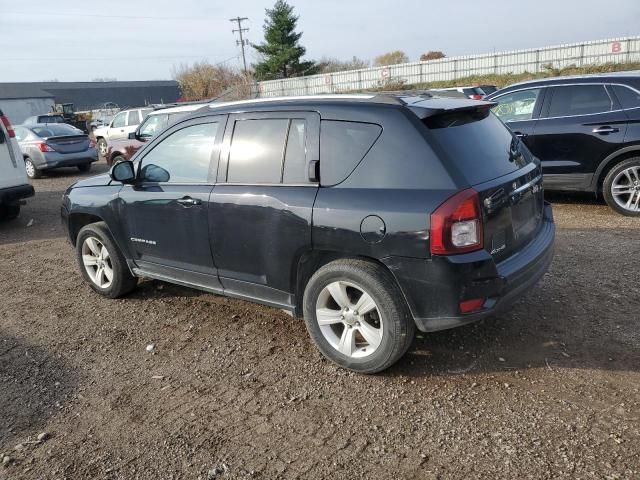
{"x":242,"y":41}
{"x":30,"y":59}
{"x":96,"y":15}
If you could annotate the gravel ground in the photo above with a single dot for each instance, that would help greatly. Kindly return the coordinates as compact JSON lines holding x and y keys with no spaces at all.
{"x":235,"y":390}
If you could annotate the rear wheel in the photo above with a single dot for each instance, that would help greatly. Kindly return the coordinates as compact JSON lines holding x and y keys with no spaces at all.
{"x":85,"y":167}
{"x":621,"y":187}
{"x":32,"y":171}
{"x":9,"y":212}
{"x":116,"y":159}
{"x":102,"y":147}
{"x":356,"y":315}
{"x":101,"y":262}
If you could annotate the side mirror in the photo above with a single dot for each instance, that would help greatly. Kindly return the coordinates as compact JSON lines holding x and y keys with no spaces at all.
{"x":133,"y":135}
{"x":154,"y":173}
{"x":123,"y":172}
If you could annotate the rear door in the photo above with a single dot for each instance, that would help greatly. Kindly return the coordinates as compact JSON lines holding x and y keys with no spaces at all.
{"x":261,"y":207}
{"x":579,"y":126}
{"x":12,"y":170}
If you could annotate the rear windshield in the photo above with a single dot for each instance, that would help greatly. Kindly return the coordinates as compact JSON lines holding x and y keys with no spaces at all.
{"x":476,"y":143}
{"x":486,"y":89}
{"x":55,"y":130}
{"x":50,"y":119}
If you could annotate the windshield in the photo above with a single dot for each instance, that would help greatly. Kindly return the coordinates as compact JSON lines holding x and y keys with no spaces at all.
{"x":55,"y":130}
{"x":153,"y":124}
{"x":50,"y":119}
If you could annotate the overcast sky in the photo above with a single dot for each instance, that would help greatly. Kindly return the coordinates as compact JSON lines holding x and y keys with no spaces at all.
{"x":73,"y":40}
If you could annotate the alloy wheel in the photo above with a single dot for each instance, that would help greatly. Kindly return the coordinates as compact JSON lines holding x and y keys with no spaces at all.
{"x":97,"y":262}
{"x":625,"y":189}
{"x":102,"y":147}
{"x":349,"y":319}
{"x":30,"y":168}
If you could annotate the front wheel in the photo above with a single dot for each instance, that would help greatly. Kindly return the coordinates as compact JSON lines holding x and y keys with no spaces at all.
{"x":621,"y":187}
{"x":116,"y":159}
{"x":101,"y":262}
{"x":356,"y":315}
{"x":9,"y":212}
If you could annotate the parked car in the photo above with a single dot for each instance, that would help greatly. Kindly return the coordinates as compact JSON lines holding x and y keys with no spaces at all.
{"x":427,"y":212}
{"x":585,"y":130}
{"x":47,"y":118}
{"x":47,"y":146}
{"x":475,"y":93}
{"x":156,"y":121}
{"x":14,"y":186}
{"x":122,"y":124}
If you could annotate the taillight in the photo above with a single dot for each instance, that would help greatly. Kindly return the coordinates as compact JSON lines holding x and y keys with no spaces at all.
{"x":456,"y":225}
{"x":475,"y":97}
{"x":7,"y":125}
{"x":472,"y":305}
{"x":43,"y":147}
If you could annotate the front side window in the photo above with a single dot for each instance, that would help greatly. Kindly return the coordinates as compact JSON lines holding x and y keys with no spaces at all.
{"x":257,"y":149}
{"x":119,"y":120}
{"x":579,"y":100}
{"x":516,"y":106}
{"x":153,"y":125}
{"x":133,"y":118}
{"x":182,"y":157}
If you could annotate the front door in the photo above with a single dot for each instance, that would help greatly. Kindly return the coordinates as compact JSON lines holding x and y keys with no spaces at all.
{"x":519,"y":110}
{"x":580,"y":125}
{"x":117,"y":127}
{"x":261,"y":206}
{"x":167,"y":209}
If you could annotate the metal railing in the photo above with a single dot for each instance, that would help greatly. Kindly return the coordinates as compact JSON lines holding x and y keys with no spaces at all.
{"x":614,"y":50}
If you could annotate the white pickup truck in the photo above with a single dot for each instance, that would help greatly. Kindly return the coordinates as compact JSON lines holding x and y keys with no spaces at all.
{"x":125,"y":122}
{"x":14,"y":186}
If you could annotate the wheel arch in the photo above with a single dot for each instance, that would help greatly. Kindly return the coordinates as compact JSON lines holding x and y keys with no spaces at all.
{"x":611,"y":161}
{"x":78,"y":220}
{"x":312,"y":260}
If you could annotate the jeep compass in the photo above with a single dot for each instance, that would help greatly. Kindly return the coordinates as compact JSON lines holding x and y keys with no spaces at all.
{"x":368,"y":215}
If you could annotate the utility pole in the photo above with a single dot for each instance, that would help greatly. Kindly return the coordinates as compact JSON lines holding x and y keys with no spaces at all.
{"x":242,"y":42}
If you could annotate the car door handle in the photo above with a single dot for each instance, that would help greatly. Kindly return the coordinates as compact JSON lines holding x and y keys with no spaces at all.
{"x":189,"y":202}
{"x":605,"y":130}
{"x":520,"y":134}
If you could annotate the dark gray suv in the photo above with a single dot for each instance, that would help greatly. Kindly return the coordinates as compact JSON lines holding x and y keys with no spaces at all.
{"x":368,"y":215}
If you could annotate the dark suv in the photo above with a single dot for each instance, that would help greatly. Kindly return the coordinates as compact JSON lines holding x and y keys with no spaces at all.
{"x":368,"y":215}
{"x":585,"y":130}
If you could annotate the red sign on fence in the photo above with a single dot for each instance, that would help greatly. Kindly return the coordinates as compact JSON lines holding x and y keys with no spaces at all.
{"x":616,"y":47}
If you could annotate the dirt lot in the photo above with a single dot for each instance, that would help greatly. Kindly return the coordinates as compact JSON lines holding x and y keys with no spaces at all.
{"x":235,"y":390}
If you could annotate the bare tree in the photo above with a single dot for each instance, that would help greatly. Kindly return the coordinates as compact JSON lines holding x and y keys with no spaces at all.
{"x":391,"y":58}
{"x":203,"y":80}
{"x":330,"y":64}
{"x":432,"y":55}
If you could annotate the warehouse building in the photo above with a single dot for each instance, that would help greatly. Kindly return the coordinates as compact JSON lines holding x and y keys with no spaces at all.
{"x":22,"y":100}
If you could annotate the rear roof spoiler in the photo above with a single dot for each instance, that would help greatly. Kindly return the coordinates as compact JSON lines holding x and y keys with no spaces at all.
{"x":429,"y":107}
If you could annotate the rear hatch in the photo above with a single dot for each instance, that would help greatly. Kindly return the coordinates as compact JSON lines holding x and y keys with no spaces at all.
{"x":63,"y":138}
{"x":480,"y":152}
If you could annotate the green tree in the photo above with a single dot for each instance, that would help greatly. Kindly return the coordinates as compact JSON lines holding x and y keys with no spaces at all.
{"x":281,"y":50}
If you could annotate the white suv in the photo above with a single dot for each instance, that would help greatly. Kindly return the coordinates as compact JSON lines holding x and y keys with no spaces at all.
{"x":14,"y":186}
{"x":120,"y":127}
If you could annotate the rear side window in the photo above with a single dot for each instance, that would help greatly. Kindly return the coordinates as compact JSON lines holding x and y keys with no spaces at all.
{"x":257,"y":149}
{"x":133,"y":118}
{"x":627,"y":97}
{"x":477,"y":144}
{"x":579,"y":100}
{"x":295,"y":158}
{"x":516,"y":106}
{"x":342,"y":146}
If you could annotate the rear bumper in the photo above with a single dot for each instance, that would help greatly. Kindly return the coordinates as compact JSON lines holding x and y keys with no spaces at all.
{"x":13,"y":195}
{"x":57,"y":160}
{"x":435,"y":288}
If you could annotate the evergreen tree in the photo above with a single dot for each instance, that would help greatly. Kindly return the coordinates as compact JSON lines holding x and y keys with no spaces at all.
{"x":281,"y":51}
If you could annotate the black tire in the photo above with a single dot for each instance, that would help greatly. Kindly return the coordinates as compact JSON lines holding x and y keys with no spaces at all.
{"x":398,"y":326}
{"x":85,"y":167}
{"x":116,"y":159}
{"x":32,"y":171}
{"x":608,"y":184}
{"x":101,"y":145}
{"x":123,"y":281}
{"x":9,"y":212}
